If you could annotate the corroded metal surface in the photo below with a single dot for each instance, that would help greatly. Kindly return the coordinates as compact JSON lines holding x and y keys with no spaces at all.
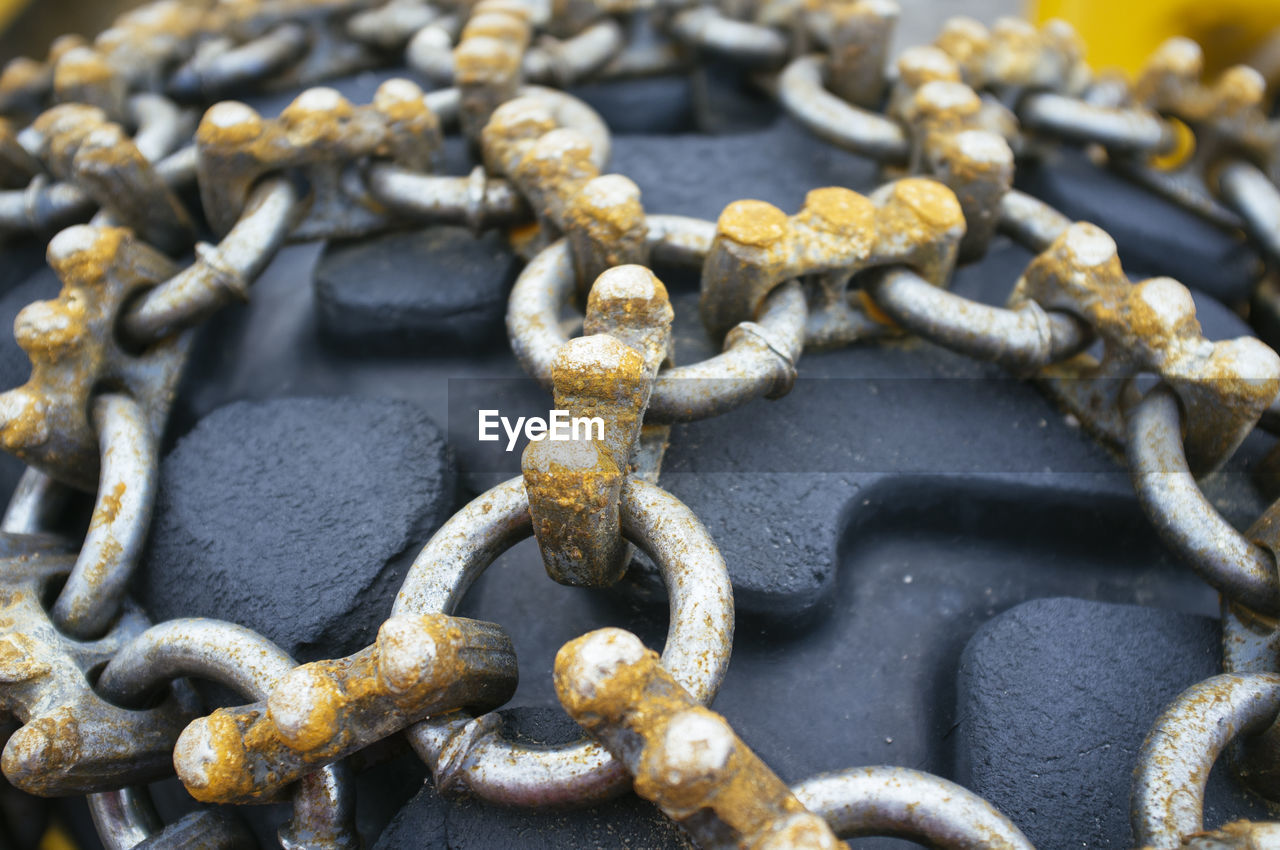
{"x":471,"y":755}
{"x":758,"y":359}
{"x":682,"y":756}
{"x":575,"y":486}
{"x":323,"y":802}
{"x":98,"y":129}
{"x":74,"y":351}
{"x":1168,"y":785}
{"x":71,"y":741}
{"x":321,"y":712}
{"x":839,"y":233}
{"x":557,"y":167}
{"x":1147,"y":328}
{"x":1163,"y":480}
{"x":82,"y":147}
{"x":317,"y":134}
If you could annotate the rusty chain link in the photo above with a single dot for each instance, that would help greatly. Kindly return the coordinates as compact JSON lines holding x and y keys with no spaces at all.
{"x":94,"y":139}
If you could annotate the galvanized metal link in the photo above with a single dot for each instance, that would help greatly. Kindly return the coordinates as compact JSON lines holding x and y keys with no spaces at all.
{"x":1023,"y":339}
{"x":574,"y":486}
{"x":806,"y":99}
{"x":1248,"y":191}
{"x":162,"y":126}
{"x":317,"y":136}
{"x":478,"y":201}
{"x":683,"y":757}
{"x":573,"y":60}
{"x":708,"y":29}
{"x":92,"y":596}
{"x":1122,"y":130}
{"x":758,"y":361}
{"x":1167,"y":806}
{"x":241,"y":659}
{"x":470,"y":755}
{"x":221,"y":69}
{"x":759,"y":356}
{"x":221,"y":273}
{"x":1147,"y":328}
{"x":837,"y":235}
{"x":74,"y":353}
{"x":321,"y":712}
{"x":899,"y":802}
{"x":1251,"y":644}
{"x":1244,"y":571}
{"x":390,"y":25}
{"x":127,"y":820}
{"x":71,"y":741}
{"x":1031,"y":222}
{"x":126,"y":817}
{"x":36,"y":501}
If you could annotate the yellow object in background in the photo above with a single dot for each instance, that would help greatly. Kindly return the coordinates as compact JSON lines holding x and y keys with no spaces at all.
{"x":9,"y":10}
{"x":1123,"y":33}
{"x":56,"y":838}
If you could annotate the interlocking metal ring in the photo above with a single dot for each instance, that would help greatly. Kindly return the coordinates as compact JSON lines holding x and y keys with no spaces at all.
{"x":241,"y":659}
{"x":1175,"y":760}
{"x":469,"y":753}
{"x":899,"y":802}
{"x":759,"y":357}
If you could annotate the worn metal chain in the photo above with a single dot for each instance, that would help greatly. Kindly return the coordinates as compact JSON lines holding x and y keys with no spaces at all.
{"x":99,"y":131}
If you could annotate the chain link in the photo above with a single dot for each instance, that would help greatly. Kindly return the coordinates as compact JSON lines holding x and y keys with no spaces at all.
{"x":97,"y":130}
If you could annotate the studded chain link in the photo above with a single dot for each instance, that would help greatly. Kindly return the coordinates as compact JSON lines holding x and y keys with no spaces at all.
{"x":108,"y":132}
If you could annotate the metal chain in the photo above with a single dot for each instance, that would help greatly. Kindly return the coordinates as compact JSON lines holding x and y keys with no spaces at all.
{"x":102,"y":138}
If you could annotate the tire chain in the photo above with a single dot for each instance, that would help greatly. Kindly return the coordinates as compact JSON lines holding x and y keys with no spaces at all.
{"x":98,"y":131}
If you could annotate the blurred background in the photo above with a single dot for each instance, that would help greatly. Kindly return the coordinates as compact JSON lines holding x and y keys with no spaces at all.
{"x":1120,"y":33}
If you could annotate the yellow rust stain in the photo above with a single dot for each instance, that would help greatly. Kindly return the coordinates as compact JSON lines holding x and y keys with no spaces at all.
{"x":109,"y":505}
{"x":225,"y":774}
{"x":27,"y":427}
{"x":839,"y":211}
{"x":642,"y":698}
{"x":403,"y":110}
{"x":92,"y":68}
{"x":20,"y":73}
{"x":250,"y":752}
{"x":934,"y":204}
{"x":611,"y":218}
{"x":1240,"y":88}
{"x":754,"y":223}
{"x":213,"y":134}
